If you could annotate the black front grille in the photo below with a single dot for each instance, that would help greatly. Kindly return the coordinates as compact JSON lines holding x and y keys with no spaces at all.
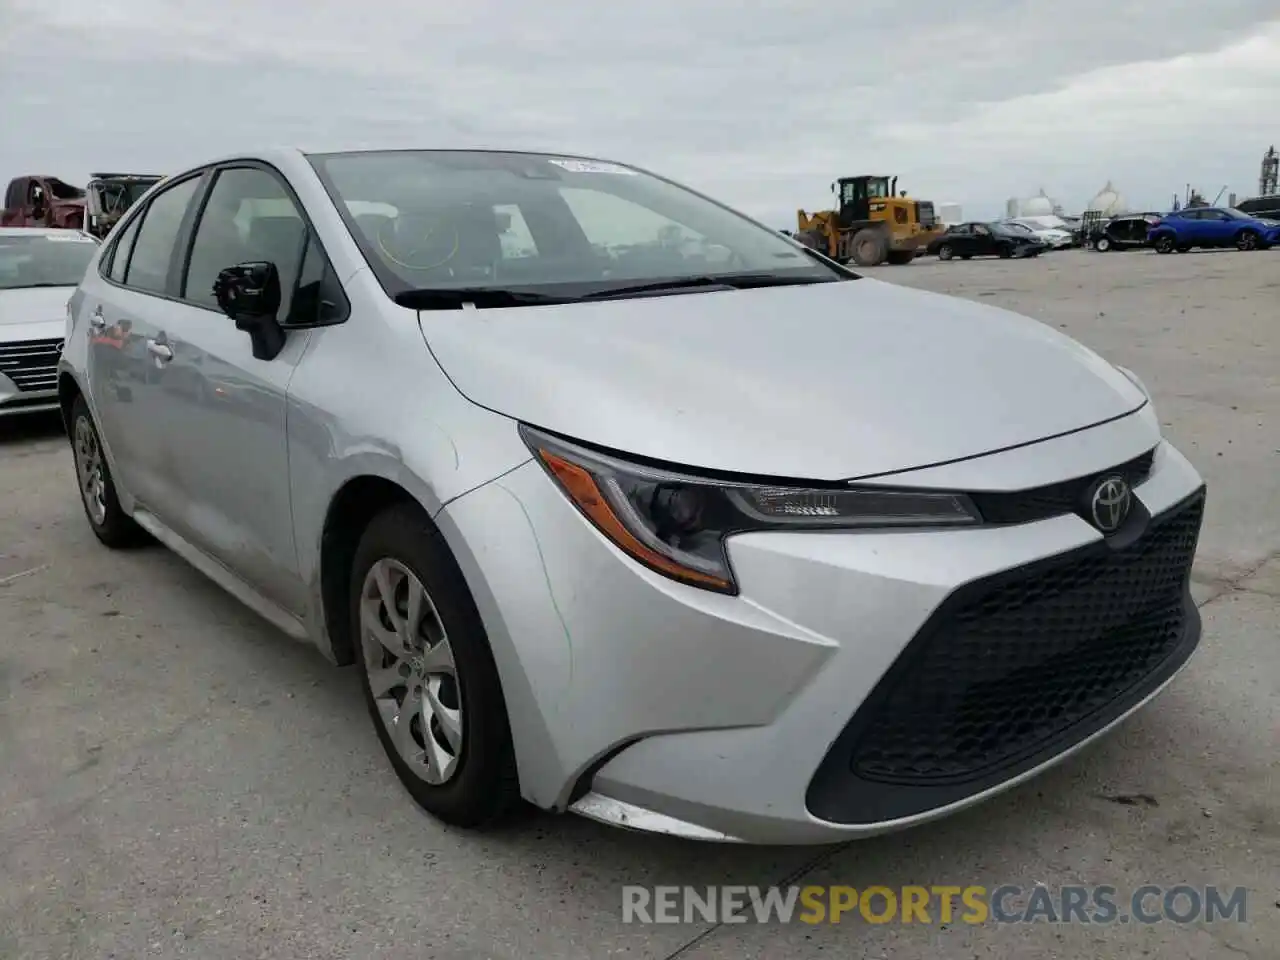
{"x":31,"y":364}
{"x":1055,"y":499}
{"x":1014,"y":665}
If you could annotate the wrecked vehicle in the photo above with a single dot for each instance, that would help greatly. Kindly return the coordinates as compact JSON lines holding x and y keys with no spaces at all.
{"x":38,"y":200}
{"x":109,"y":195}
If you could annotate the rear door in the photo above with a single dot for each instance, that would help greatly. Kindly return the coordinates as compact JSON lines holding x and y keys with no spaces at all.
{"x":225,"y":409}
{"x":127,"y":303}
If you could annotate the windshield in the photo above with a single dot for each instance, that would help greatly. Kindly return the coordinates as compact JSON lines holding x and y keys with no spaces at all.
{"x":1018,"y":227}
{"x":1234,"y":214}
{"x":480,"y":220}
{"x":44,"y":260}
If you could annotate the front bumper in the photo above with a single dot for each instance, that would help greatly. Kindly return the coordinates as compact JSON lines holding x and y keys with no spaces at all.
{"x":781,"y":715}
{"x":29,"y":371}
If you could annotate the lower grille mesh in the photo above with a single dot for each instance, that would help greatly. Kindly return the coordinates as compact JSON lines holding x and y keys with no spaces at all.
{"x":31,"y":364}
{"x":1028,"y":658}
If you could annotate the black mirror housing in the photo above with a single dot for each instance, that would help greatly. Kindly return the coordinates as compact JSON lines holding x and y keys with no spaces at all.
{"x":249,"y":293}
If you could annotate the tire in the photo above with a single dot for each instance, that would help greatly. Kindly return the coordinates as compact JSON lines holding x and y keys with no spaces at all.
{"x":901,"y":257}
{"x":1248,"y":240}
{"x":869,"y":248}
{"x":945,"y":252}
{"x":468,"y":776}
{"x":1164,"y":243}
{"x":814,"y":240}
{"x":1102,"y":245}
{"x":110,"y":524}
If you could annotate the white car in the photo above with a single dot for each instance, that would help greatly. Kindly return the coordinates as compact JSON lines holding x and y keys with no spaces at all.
{"x":39,"y":270}
{"x":1051,"y":230}
{"x":758,"y":550}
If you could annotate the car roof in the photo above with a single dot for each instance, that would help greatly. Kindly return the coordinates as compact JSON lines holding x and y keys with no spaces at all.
{"x":288,"y":156}
{"x":40,"y":232}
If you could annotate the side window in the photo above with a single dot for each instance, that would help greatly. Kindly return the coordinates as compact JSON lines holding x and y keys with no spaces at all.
{"x":148,"y":267}
{"x":124,"y":247}
{"x":249,"y":216}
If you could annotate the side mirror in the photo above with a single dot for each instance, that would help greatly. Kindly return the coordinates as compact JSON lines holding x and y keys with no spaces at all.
{"x":249,"y":293}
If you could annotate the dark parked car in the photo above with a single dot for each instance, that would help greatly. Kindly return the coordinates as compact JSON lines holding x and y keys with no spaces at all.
{"x":1267,"y":207}
{"x":1212,"y":227}
{"x":966,"y":240}
{"x":1125,"y":233}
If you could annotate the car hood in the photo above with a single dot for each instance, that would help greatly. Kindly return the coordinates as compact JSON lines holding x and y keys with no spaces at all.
{"x":34,"y":305}
{"x":827,"y":381}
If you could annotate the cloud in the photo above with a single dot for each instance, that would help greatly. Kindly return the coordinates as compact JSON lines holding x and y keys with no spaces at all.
{"x":762,"y":104}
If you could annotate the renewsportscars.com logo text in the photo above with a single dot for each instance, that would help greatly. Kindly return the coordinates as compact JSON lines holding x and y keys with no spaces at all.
{"x":1008,"y":903}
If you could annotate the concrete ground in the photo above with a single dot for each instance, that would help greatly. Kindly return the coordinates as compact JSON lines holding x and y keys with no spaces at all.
{"x":179,"y":780}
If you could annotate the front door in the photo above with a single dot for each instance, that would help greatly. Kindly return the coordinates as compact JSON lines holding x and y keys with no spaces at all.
{"x":225,"y":409}
{"x":983,"y":242}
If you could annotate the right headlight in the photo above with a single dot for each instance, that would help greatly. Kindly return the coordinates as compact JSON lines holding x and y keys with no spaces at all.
{"x":676,"y":524}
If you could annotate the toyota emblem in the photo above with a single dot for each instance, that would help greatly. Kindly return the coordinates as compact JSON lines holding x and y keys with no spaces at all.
{"x":1109,"y":505}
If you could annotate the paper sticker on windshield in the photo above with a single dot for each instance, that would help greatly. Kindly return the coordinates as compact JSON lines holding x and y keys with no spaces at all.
{"x":592,"y":166}
{"x":69,"y":237}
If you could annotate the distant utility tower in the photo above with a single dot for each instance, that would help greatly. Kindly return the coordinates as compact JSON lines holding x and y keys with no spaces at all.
{"x":1270,"y":173}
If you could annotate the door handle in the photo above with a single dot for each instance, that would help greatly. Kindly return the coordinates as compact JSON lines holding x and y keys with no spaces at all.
{"x":97,"y":320}
{"x":161,"y":351}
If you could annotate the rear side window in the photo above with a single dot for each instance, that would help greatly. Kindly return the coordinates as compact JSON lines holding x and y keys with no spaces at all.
{"x":153,"y":249}
{"x":122,"y":249}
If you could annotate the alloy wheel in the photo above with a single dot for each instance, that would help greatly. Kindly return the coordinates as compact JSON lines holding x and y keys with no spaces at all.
{"x":89,"y":471}
{"x":411,"y":670}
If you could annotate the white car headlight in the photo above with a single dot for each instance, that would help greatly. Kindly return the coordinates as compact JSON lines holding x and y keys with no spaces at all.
{"x":676,"y":523}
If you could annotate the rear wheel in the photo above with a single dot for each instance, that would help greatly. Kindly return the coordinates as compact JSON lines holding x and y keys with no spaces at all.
{"x":428,"y":674}
{"x":1164,"y":244}
{"x":107,"y":519}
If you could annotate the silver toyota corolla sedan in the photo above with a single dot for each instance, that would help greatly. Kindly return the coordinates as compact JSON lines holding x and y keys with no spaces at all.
{"x":39,"y":270}
{"x":623,"y":503}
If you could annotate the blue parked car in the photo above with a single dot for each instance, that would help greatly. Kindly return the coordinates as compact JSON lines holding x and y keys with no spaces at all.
{"x":1212,"y":227}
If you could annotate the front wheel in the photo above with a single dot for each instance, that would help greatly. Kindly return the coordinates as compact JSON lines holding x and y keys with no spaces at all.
{"x":429,"y":677}
{"x":945,"y":252}
{"x":1164,"y":244}
{"x":107,"y":519}
{"x":1248,"y":240}
{"x":1102,"y":244}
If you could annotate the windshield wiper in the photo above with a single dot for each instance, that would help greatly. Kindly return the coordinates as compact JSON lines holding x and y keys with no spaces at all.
{"x":737,"y":281}
{"x":454,"y":298}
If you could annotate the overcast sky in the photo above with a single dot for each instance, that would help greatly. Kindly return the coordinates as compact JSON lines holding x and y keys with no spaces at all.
{"x":762,"y":104}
